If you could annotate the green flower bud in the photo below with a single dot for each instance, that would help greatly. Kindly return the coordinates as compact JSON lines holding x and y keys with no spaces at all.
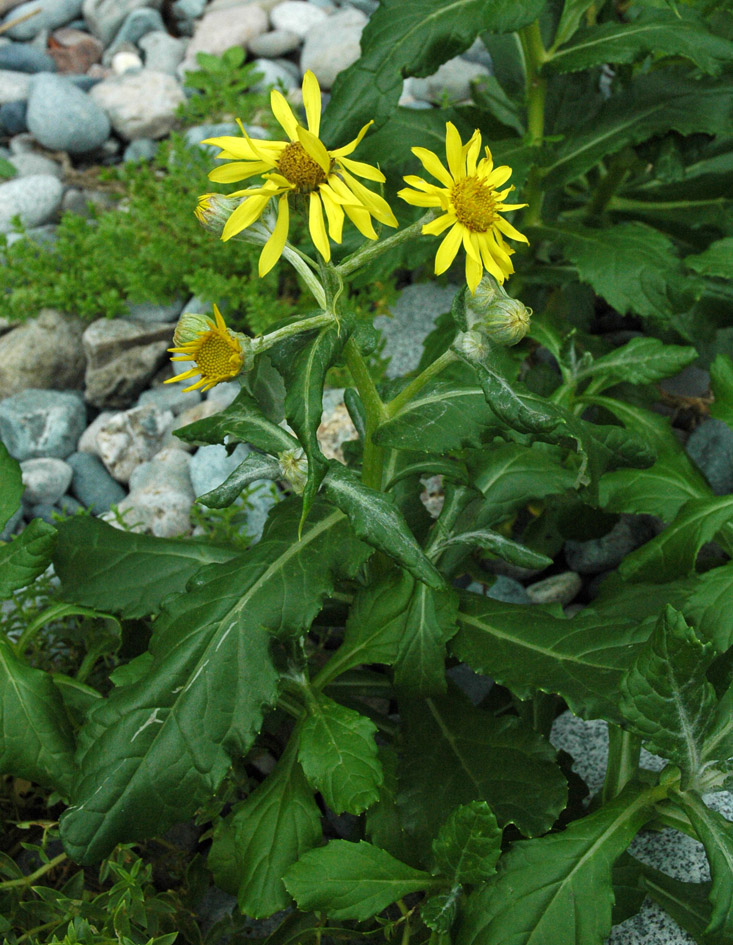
{"x":505,"y":321}
{"x":294,"y":468}
{"x":189,"y":327}
{"x":214,"y":210}
{"x":473,"y":345}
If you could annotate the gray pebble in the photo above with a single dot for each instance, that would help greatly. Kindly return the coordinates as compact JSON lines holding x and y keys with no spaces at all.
{"x":710,"y":446}
{"x":274,"y":73}
{"x":153,"y":313}
{"x":14,"y":86}
{"x":13,"y":117}
{"x":45,"y":479}
{"x":606,"y":553}
{"x":559,"y":588}
{"x":504,"y":589}
{"x":273,"y":44}
{"x":48,"y":14}
{"x":143,"y":149}
{"x":92,"y":484}
{"x":20,"y":57}
{"x":163,"y":52}
{"x":15,"y":520}
{"x":413,"y":317}
{"x":137,"y":23}
{"x":28,"y":162}
{"x":44,"y":511}
{"x":171,"y":397}
{"x":63,"y":117}
{"x":210,"y":466}
{"x":42,"y":423}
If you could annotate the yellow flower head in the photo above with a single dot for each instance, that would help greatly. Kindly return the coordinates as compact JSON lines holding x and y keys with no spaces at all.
{"x":472,"y":204}
{"x":300,"y":166}
{"x":218,"y":353}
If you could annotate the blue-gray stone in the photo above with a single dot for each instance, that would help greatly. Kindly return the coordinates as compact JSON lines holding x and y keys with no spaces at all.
{"x":137,"y":23}
{"x":210,"y":466}
{"x":711,"y":446}
{"x":63,"y":117}
{"x":171,"y":397}
{"x":508,"y":590}
{"x":475,"y":686}
{"x":20,"y":57}
{"x":13,"y":117}
{"x":413,"y":317}
{"x":260,"y":498}
{"x":42,"y":423}
{"x":275,"y":73}
{"x":43,"y":510}
{"x":68,"y":505}
{"x":142,"y":149}
{"x":92,"y":484}
{"x":557,"y":589}
{"x":35,"y":199}
{"x":11,"y":525}
{"x":607,"y":552}
{"x":152,"y":313}
{"x":197,"y":133}
{"x":45,"y":479}
{"x":47,"y":15}
{"x":83,"y":82}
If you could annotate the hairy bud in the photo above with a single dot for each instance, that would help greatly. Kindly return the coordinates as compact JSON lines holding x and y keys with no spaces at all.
{"x":472,"y":345}
{"x":189,"y":327}
{"x":506,"y":321}
{"x":294,"y":469}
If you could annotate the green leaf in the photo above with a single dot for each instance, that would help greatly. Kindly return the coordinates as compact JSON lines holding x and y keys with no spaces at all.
{"x":383,"y":823}
{"x":455,"y":753}
{"x":570,"y":17}
{"x":255,"y":467}
{"x":557,"y":889}
{"x":665,"y":696}
{"x":717,"y":260}
{"x":352,"y":880}
{"x":721,"y":377}
{"x":659,"y":32}
{"x":716,"y":834}
{"x":660,"y":490}
{"x":339,"y":755}
{"x":639,"y":361}
{"x":411,"y":37}
{"x":528,"y":649}
{"x":243,"y":422}
{"x":663,"y":101}
{"x":12,"y":485}
{"x":277,"y":823}
{"x":468,"y":844}
{"x":501,"y":547}
{"x":709,"y":606}
{"x":633,"y":266}
{"x":376,"y":519}
{"x":36,"y":741}
{"x":716,"y":757}
{"x":439,"y":912}
{"x":687,"y":903}
{"x":429,"y":622}
{"x":673,"y":553}
{"x":26,"y":556}
{"x":162,"y":745}
{"x":146,"y":569}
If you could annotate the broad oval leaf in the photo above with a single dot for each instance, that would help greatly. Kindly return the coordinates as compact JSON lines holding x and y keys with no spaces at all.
{"x":27,"y":556}
{"x":639,"y":361}
{"x":468,"y":844}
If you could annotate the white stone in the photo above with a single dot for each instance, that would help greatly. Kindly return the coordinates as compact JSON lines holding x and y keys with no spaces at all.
{"x":163,"y":52}
{"x":88,"y":439}
{"x":273,"y":44}
{"x":222,"y":28}
{"x":329,"y":49}
{"x":35,"y":199}
{"x":139,"y":104}
{"x":14,"y":86}
{"x":105,"y":17}
{"x":297,"y":17}
{"x":452,"y":81}
{"x":132,"y":437}
{"x":124,"y":61}
{"x":45,"y":479}
{"x":160,"y":496}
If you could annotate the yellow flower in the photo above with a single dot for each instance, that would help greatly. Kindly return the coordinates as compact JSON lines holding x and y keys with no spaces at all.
{"x":472,"y":205}
{"x":219,"y":354}
{"x":301,"y":166}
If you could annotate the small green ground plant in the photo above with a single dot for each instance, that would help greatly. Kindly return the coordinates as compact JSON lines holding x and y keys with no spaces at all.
{"x":297,"y":697}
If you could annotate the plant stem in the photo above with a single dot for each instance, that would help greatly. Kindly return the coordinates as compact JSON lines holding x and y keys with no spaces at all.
{"x":417,"y":383}
{"x":535,"y":55}
{"x":287,"y":331}
{"x":32,"y":877}
{"x":613,"y":179}
{"x":306,"y":273}
{"x":375,"y":410}
{"x":372,"y":251}
{"x":624,"y":749}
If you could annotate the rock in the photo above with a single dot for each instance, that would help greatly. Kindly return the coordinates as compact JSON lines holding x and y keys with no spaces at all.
{"x":51,"y":13}
{"x":366,"y":6}
{"x":198,"y":133}
{"x":12,"y":524}
{"x":271,"y":45}
{"x":74,"y":51}
{"x":210,"y":466}
{"x":20,"y":57}
{"x":126,"y":61}
{"x":260,"y":497}
{"x":199,"y":411}
{"x":223,"y":394}
{"x":413,"y":317}
{"x":157,"y":314}
{"x":606,"y":553}
{"x":560,"y":588}
{"x":35,"y":234}
{"x":122,"y":356}
{"x":142,"y":149}
{"x":170,"y":397}
{"x":44,"y":352}
{"x":42,"y":423}
{"x":160,"y":496}
{"x":475,"y":685}
{"x":43,"y":511}
{"x":299,"y":17}
{"x":140,"y":104}
{"x":331,"y":49}
{"x":336,"y":425}
{"x":35,"y":199}
{"x":452,"y":81}
{"x":508,"y":590}
{"x":69,"y":506}
{"x":220,"y":29}
{"x":45,"y":479}
{"x":92,"y":484}
{"x":63,"y":118}
{"x":105,"y":17}
{"x":185,"y":12}
{"x":273,"y":73}
{"x":690,"y":382}
{"x":137,"y":23}
{"x":13,"y":117}
{"x":710,"y":446}
{"x":14,"y":86}
{"x":29,"y":163}
{"x":88,"y":439}
{"x":83,"y":202}
{"x":477,"y":52}
{"x":132,"y":437}
{"x":163,"y":52}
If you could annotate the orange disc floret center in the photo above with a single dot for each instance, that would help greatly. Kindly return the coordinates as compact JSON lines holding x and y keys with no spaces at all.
{"x":297,"y":166}
{"x":218,"y":355}
{"x":474,"y":203}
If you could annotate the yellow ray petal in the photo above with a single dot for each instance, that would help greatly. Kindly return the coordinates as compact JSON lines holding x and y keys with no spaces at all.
{"x":469,"y":244}
{"x":361,"y":220}
{"x":474,"y":271}
{"x":508,"y":207}
{"x":472,"y":152}
{"x":497,"y":248}
{"x":317,"y":227}
{"x":334,"y":213}
{"x":352,"y":145}
{"x":508,"y":230}
{"x":312,"y":102}
{"x":220,"y":323}
{"x":433,"y":165}
{"x":238,"y":170}
{"x":414,"y":181}
{"x":375,"y":204}
{"x":200,"y":383}
{"x":454,"y":150}
{"x":418,"y":199}
{"x":234,"y":147}
{"x":283,"y":113}
{"x":314,"y":148}
{"x":499,"y":176}
{"x":490,"y":264}
{"x":272,"y":250}
{"x":339,"y":192}
{"x":448,"y":249}
{"x":244,"y":215}
{"x":362,"y":169}
{"x":437,"y":226}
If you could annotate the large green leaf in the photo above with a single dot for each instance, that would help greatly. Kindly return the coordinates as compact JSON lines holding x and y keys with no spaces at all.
{"x":411,"y":37}
{"x":557,"y":890}
{"x":36,"y":741}
{"x":716,"y":757}
{"x":146,"y":569}
{"x":717,"y":260}
{"x":338,"y":754}
{"x":660,"y":32}
{"x":429,"y":622}
{"x":252,"y":850}
{"x":665,"y":696}
{"x":639,"y":361}
{"x":673,"y":553}
{"x":632,"y":265}
{"x":242,"y":421}
{"x":352,"y":880}
{"x":721,"y":376}
{"x":653,"y":104}
{"x":26,"y":556}
{"x":254,"y":467}
{"x":376,"y":519}
{"x":455,"y":753}
{"x":660,"y":490}
{"x":716,"y":834}
{"x":162,"y":744}
{"x":11,"y":489}
{"x":468,"y":844}
{"x":687,"y":903}
{"x":527,"y":648}
{"x":709,"y":606}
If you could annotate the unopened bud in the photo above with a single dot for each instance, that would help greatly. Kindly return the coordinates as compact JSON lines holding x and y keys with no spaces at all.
{"x":506,"y":321}
{"x":189,"y":327}
{"x":294,"y":468}
{"x":473,"y":345}
{"x":486,"y":291}
{"x":213,"y":211}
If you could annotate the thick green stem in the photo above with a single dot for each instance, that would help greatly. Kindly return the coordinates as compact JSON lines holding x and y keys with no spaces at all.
{"x":535,"y":55}
{"x":287,"y":331}
{"x":624,"y":749}
{"x":32,"y":877}
{"x":613,"y":179}
{"x":375,"y":411}
{"x":374,"y":250}
{"x":417,"y":384}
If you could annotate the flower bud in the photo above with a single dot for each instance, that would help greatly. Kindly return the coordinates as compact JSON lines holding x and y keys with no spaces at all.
{"x":486,"y":291}
{"x":506,"y":321}
{"x":213,"y":211}
{"x":189,"y":327}
{"x":294,"y":469}
{"x":472,"y":345}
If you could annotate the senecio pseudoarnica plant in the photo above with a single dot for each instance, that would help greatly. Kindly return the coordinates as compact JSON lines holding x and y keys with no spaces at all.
{"x":324,"y":646}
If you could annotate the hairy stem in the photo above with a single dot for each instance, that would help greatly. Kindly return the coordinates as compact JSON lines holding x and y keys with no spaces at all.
{"x":535,"y":55}
{"x":376,"y":412}
{"x":374,"y":250}
{"x":417,"y":383}
{"x":624,"y":749}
